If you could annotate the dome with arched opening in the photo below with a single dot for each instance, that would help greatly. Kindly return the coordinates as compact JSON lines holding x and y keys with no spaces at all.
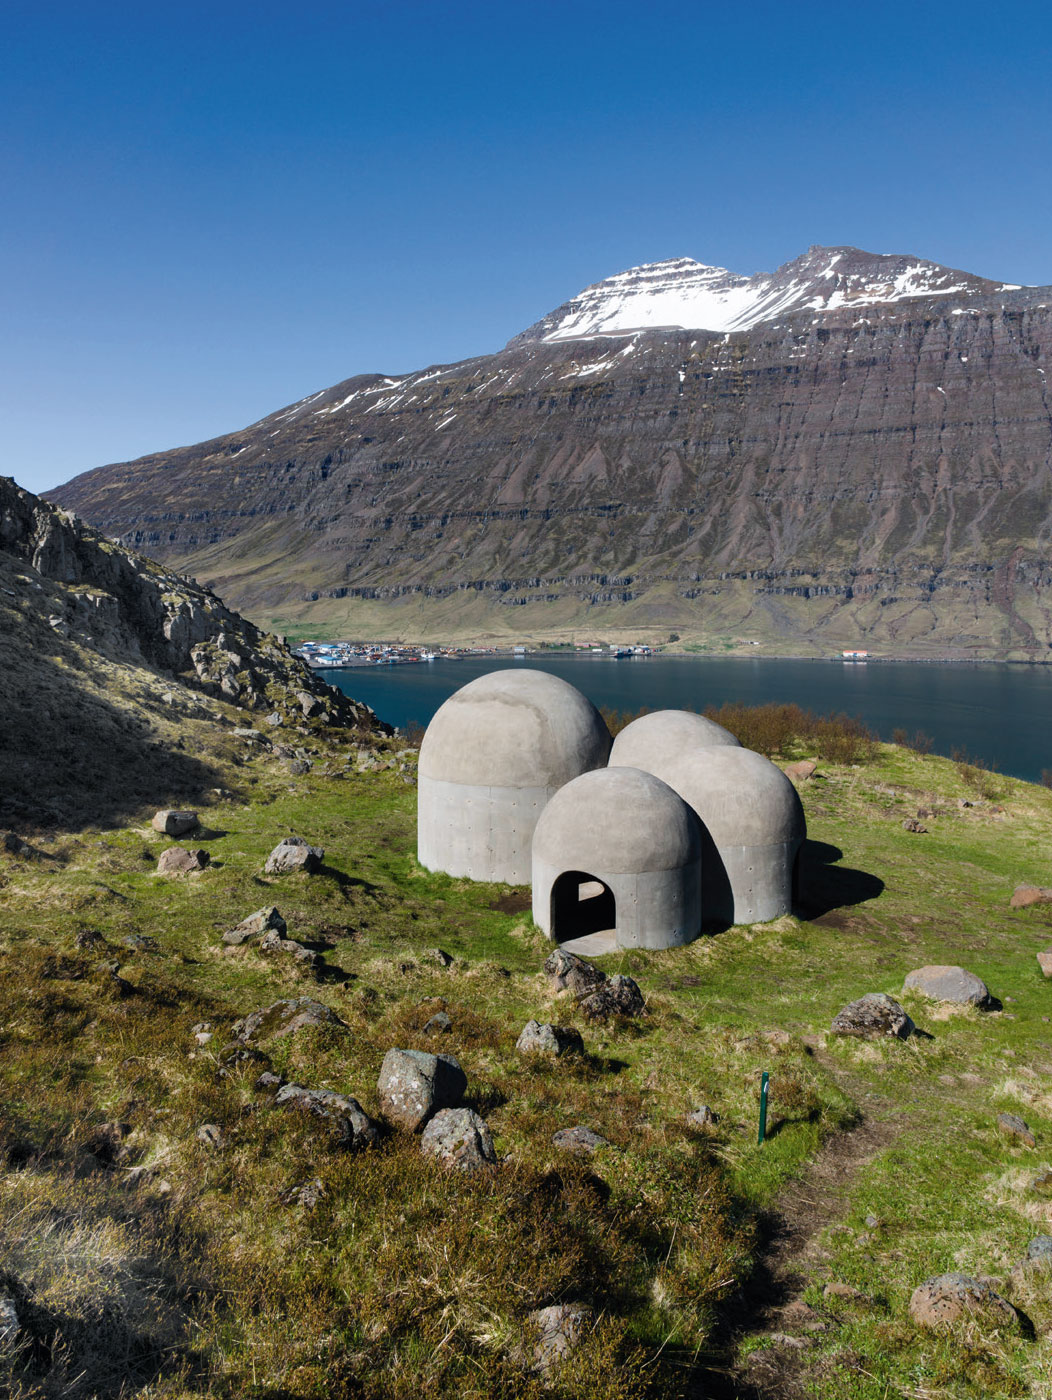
{"x":492,"y":757}
{"x":618,"y":844}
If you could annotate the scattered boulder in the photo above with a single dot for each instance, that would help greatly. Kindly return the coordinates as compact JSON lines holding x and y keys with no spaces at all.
{"x":346,"y":1119}
{"x":458,"y":1137}
{"x":872,"y":1016}
{"x":436,"y":955}
{"x":1042,"y":1183}
{"x":294,"y":853}
{"x":309,"y":704}
{"x":177,"y":861}
{"x":543,"y":1039}
{"x":947,"y":1298}
{"x":255,"y":926}
{"x":703,"y":1117}
{"x":439,"y":1024}
{"x":1011,"y":1125}
{"x":172,"y":823}
{"x":559,"y":1330}
{"x":269,"y":1082}
{"x":274,"y":719}
{"x":14,"y":845}
{"x":950,"y":984}
{"x":1023,"y":896}
{"x":568,"y":973}
{"x":1044,"y":961}
{"x":284,"y":1018}
{"x":582,"y":1142}
{"x":106,"y":1143}
{"x":414,"y":1085}
{"x":800,"y":772}
{"x":1039,"y":1250}
{"x":273,"y":942}
{"x":10,"y":1322}
{"x":210,"y":1135}
{"x":615,"y":996}
{"x":304,"y":1193}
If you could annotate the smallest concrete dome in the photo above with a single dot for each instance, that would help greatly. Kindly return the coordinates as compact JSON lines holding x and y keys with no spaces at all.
{"x":753,"y":828}
{"x":616,"y":848}
{"x":653,"y":741}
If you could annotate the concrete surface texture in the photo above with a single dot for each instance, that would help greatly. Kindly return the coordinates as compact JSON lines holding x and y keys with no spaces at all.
{"x":617,"y":848}
{"x":492,"y":757}
{"x":654,"y":741}
{"x":752,"y":830}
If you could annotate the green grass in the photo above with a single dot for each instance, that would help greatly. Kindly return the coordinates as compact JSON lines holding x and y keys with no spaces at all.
{"x":406,"y":1281}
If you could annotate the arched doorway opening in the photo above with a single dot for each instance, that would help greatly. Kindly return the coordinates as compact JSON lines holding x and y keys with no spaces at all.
{"x":581,"y":905}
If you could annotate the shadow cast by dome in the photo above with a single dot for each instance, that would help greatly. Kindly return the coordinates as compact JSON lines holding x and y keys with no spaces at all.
{"x":822,"y":885}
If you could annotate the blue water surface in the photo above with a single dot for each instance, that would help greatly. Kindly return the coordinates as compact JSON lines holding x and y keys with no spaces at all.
{"x":996,"y":713}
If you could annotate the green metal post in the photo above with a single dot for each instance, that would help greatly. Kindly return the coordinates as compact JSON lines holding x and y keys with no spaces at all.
{"x":763,"y":1107}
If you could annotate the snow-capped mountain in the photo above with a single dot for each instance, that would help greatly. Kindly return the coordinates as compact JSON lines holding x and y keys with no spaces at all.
{"x":853,"y":449}
{"x":683,"y":294}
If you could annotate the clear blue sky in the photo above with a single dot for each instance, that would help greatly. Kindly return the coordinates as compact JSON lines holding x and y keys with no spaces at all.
{"x":209,"y":211}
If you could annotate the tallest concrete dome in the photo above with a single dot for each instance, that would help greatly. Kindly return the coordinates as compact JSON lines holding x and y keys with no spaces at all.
{"x":492,"y":757}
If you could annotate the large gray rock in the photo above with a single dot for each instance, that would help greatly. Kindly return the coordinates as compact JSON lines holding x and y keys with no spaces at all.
{"x":459,"y":1138}
{"x":558,"y":1331}
{"x":177,"y":861}
{"x":345,"y":1118}
{"x":284,"y":1018}
{"x":948,"y":1298}
{"x":255,"y":926}
{"x":539,"y":1038}
{"x":1039,"y":1250}
{"x":873,"y":1016}
{"x":615,"y":996}
{"x":414,"y":1085}
{"x":569,"y":973}
{"x":947,"y":983}
{"x":174,"y":823}
{"x":294,"y":853}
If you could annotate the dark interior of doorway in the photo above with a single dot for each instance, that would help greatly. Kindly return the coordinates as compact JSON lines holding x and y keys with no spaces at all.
{"x":581,"y":905}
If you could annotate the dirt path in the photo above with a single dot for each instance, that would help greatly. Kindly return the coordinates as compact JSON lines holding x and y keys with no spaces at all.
{"x":787,"y":1259}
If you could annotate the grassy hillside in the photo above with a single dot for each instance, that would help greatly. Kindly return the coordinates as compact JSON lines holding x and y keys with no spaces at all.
{"x":146,"y":1258}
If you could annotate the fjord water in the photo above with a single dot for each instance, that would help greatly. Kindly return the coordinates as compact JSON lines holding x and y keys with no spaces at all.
{"x":996,"y":713}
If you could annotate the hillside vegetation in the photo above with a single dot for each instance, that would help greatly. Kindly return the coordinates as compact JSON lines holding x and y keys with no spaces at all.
{"x":167,"y":1230}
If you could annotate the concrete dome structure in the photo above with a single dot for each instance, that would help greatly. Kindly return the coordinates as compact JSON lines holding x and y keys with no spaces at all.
{"x":493,"y":756}
{"x":616,"y":848}
{"x":654,"y":741}
{"x":753,"y":828}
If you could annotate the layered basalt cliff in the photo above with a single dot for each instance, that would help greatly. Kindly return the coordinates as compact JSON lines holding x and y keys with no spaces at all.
{"x":873,"y":472}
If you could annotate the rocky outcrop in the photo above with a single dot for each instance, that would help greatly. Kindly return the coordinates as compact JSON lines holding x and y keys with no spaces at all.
{"x":129,"y":608}
{"x":872,"y":472}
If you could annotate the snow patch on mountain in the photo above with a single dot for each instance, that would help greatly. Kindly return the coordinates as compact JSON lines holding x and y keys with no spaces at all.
{"x":683,"y":294}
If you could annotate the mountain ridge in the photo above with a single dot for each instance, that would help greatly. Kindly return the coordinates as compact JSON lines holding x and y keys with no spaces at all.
{"x":824,"y":478}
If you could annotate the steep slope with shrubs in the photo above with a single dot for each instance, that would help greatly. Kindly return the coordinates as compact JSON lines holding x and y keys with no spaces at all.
{"x":118,"y":673}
